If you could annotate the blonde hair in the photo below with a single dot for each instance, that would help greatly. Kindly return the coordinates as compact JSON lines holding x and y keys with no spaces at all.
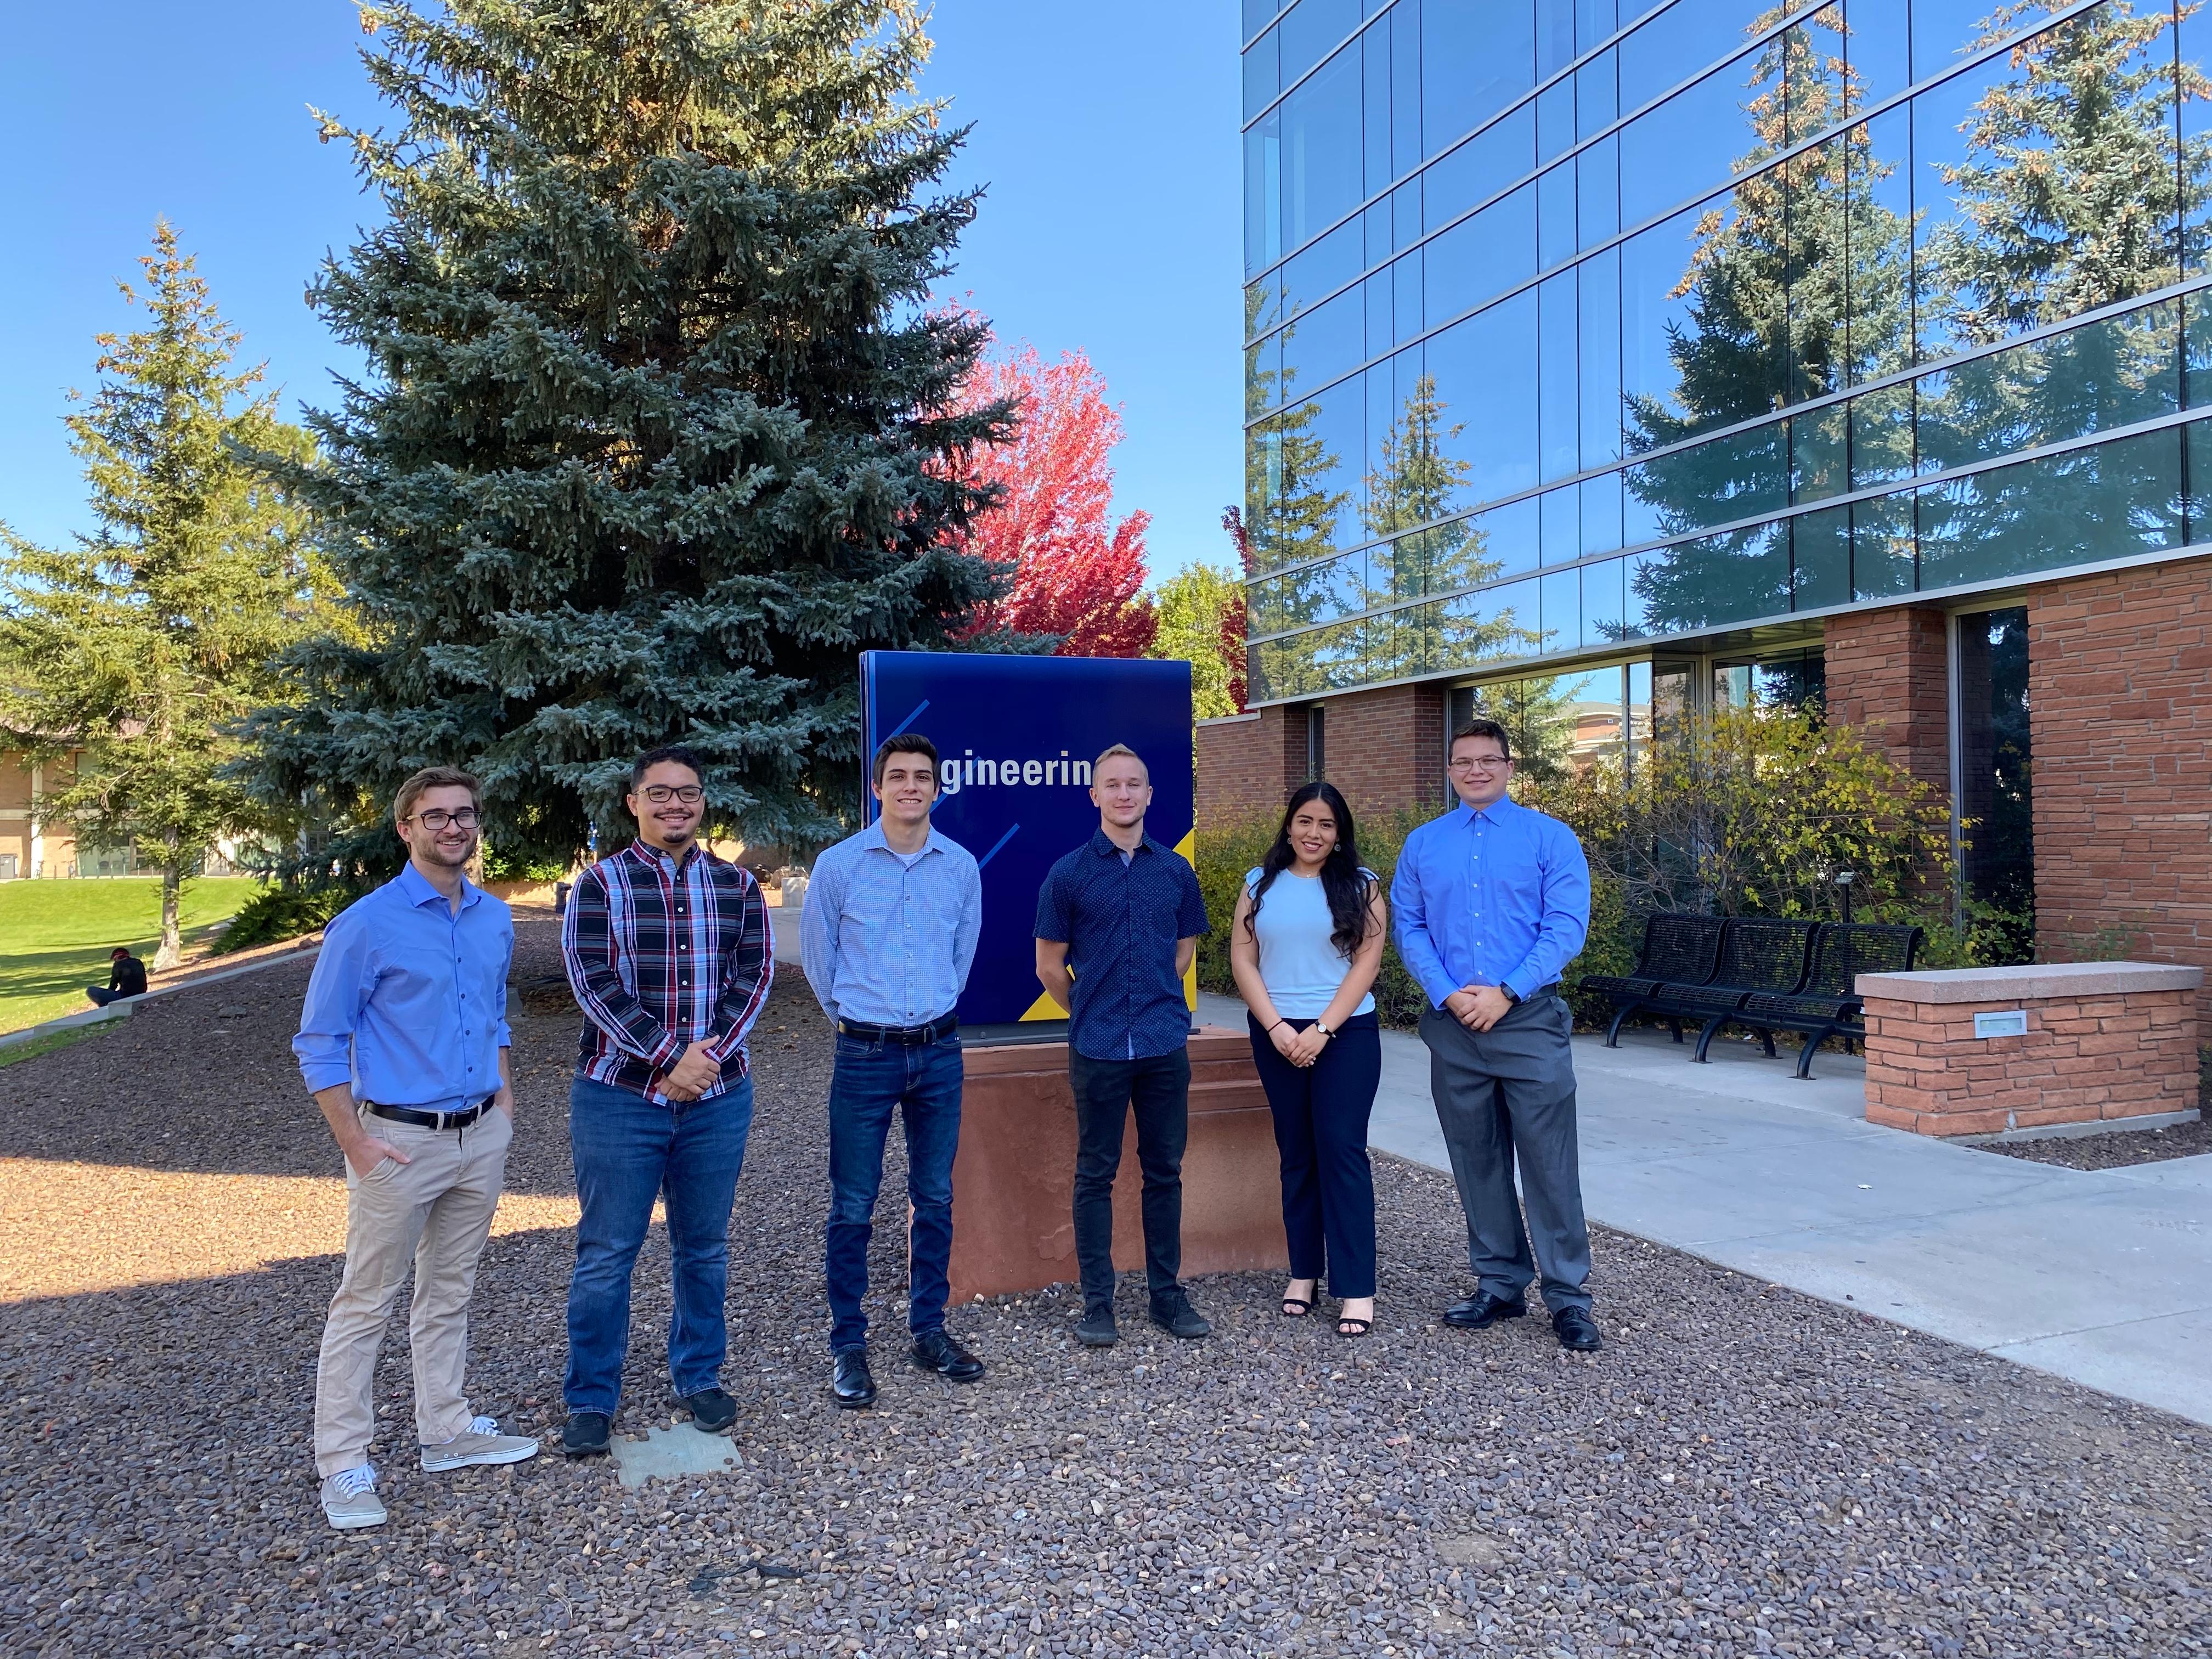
{"x":435,"y":777}
{"x":1111,"y":751}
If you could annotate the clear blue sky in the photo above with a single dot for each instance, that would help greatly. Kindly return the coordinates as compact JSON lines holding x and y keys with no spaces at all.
{"x":1108,"y":137}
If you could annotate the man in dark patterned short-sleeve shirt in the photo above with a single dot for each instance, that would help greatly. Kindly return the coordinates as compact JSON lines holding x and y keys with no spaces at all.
{"x":1118,"y":920}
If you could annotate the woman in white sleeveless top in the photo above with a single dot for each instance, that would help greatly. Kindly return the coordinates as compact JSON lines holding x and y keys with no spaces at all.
{"x":1305,"y":945}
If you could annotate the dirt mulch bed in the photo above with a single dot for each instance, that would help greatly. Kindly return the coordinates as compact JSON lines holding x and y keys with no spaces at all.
{"x":2116,"y":1151}
{"x":1742,"y":1470}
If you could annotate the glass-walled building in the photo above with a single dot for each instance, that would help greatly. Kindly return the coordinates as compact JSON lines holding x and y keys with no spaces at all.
{"x":1601,"y":351}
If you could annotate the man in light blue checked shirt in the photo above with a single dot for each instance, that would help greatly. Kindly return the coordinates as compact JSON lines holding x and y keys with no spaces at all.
{"x":1492,"y":901}
{"x":891,"y":920}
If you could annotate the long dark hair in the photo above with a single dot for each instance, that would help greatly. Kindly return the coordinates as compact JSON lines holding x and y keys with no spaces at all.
{"x":1347,"y":886}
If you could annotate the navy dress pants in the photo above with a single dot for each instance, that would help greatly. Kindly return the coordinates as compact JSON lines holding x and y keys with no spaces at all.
{"x":1320,"y":1114}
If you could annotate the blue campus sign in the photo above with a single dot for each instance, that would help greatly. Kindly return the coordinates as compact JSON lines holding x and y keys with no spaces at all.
{"x":1016,"y":736}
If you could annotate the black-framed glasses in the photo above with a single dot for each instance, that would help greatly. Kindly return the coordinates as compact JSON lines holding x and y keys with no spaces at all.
{"x":661,"y":793}
{"x":1479,"y":762}
{"x":437,"y":818}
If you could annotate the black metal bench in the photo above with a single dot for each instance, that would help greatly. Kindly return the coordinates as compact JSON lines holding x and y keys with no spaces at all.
{"x":1678,"y":949}
{"x":1828,"y":1003}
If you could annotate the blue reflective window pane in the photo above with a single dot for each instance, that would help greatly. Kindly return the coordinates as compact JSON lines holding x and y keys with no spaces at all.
{"x":1639,"y":513}
{"x":1405,"y":215}
{"x":2196,"y":454}
{"x":1559,"y":512}
{"x":1263,"y":80}
{"x":1597,"y":193}
{"x":1699,"y":135}
{"x":1379,"y":335}
{"x":1262,"y":374}
{"x":1558,"y":417}
{"x":1599,"y":297}
{"x":1638,"y":571}
{"x":1485,"y":373}
{"x":1688,"y":37}
{"x":1944,"y":31}
{"x":1379,"y":164}
{"x":1256,"y":15}
{"x":2197,"y":346}
{"x":1885,"y":559}
{"x":1406,"y":485}
{"x":1562,"y":603}
{"x":2109,"y":500}
{"x":1313,"y":275}
{"x":1604,"y":619}
{"x":1477,"y":57}
{"x":1601,"y":507}
{"x":2194,"y":166}
{"x":1734,"y":576}
{"x":1312,"y":29}
{"x":1480,"y":168}
{"x":1881,"y":437}
{"x":1595,"y":22}
{"x":1405,"y":306}
{"x":1321,"y":171}
{"x":1263,"y":607}
{"x":1404,"y":22}
{"x":1877,"y":49}
{"x":1339,"y":656}
{"x":1820,"y":453}
{"x":1820,"y":559}
{"x":1555,"y":119}
{"x":1503,"y":542}
{"x":1325,"y":342}
{"x":1879,"y":243}
{"x":1736,"y":476}
{"x":2104,"y":374}
{"x":1596,"y":98}
{"x":1815,"y":207}
{"x":1555,"y":216}
{"x":1498,"y":624}
{"x":1555,"y":36}
{"x":1263,"y":199}
{"x":1375,"y":236}
{"x":1813,"y":87}
{"x":1481,"y":257}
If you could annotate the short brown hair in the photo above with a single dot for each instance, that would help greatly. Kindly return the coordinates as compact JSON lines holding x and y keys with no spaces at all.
{"x":1481,"y":728}
{"x":904,"y":743}
{"x":434,"y":777}
{"x":1113,"y":748}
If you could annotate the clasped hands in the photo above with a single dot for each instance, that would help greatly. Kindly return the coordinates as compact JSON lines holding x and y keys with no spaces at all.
{"x":1299,"y":1048}
{"x":1478,"y":1007}
{"x":694,"y":1073}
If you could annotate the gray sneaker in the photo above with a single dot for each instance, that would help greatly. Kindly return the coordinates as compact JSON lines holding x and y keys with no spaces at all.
{"x":481,"y":1444}
{"x":349,"y":1499}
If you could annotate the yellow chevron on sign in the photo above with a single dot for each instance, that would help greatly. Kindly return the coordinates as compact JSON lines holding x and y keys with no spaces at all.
{"x":1188,"y":846}
{"x":1045,"y":1008}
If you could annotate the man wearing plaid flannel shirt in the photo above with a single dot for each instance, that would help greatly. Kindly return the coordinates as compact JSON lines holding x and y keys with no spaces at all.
{"x":668,"y":952}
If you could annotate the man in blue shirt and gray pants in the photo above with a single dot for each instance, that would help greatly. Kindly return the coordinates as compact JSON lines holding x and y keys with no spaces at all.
{"x":1118,"y":920}
{"x":1492,"y":901}
{"x":404,"y":1043}
{"x":890,"y":930}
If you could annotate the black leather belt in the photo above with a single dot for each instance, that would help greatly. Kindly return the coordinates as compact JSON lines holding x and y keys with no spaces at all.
{"x":429,"y":1119}
{"x":906,"y":1036}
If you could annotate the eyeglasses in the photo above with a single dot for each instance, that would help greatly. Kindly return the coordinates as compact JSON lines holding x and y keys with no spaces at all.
{"x":436,"y":819}
{"x":1479,"y":762}
{"x":661,"y":793}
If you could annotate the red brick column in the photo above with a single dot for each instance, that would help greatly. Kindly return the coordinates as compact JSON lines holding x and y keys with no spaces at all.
{"x":1248,"y":764}
{"x":1386,"y":749}
{"x":1888,"y":674}
{"x":2120,"y":713}
{"x":2106,"y":1041}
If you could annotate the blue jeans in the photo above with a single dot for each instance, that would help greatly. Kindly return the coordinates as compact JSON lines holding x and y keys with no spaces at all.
{"x":872,"y":1080}
{"x":629,"y":1151}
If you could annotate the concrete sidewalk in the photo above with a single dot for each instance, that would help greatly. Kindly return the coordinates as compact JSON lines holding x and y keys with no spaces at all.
{"x":2104,"y":1277}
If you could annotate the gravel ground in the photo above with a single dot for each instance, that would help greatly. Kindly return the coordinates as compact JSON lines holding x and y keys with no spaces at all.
{"x":1743,"y":1471}
{"x":2116,"y":1151}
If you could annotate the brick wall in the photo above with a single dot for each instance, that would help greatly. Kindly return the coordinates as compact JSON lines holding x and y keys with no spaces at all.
{"x":1248,"y":764}
{"x":1386,"y":749}
{"x":2120,"y":713}
{"x":2085,"y":1060}
{"x":1888,"y":675}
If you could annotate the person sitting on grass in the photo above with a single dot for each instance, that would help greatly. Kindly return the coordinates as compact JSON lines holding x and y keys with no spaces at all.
{"x":126,"y":977}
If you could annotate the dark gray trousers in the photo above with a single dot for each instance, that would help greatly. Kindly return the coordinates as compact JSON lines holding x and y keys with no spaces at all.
{"x":1507,"y":1095}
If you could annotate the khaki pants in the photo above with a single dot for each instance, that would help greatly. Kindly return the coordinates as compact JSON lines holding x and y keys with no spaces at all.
{"x":435,"y":1213}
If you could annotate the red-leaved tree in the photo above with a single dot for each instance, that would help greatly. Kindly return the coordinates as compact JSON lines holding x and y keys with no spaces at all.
{"x":1076,"y":572}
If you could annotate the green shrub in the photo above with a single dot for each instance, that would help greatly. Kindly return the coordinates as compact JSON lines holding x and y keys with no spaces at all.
{"x":282,"y":913}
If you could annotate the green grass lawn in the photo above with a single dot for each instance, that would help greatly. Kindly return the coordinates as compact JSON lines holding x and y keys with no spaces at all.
{"x":55,"y":935}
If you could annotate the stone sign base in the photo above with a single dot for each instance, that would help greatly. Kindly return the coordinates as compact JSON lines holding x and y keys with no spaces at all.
{"x":2105,"y":1043}
{"x":1014,"y":1183}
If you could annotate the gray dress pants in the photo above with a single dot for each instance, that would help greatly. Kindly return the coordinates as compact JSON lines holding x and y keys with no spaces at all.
{"x":1505,"y":1095}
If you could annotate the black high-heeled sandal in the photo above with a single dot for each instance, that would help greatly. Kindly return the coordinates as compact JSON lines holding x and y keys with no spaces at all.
{"x":1301,"y":1304}
{"x":1364,"y":1326}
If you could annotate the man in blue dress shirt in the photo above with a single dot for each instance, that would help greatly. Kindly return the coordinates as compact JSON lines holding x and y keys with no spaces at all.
{"x":404,"y":1043}
{"x":1492,"y":901}
{"x":1118,"y":920}
{"x":889,"y":929}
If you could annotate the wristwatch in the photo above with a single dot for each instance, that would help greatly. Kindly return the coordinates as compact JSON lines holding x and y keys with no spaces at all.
{"x":1323,"y":1029}
{"x":1512,"y":996}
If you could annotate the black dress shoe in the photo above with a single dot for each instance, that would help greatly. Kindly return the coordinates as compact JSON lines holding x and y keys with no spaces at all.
{"x":850,"y":1384}
{"x":1577,"y":1330}
{"x":933,"y":1351}
{"x":711,"y":1411}
{"x":1097,"y":1329}
{"x":1172,"y":1313}
{"x":586,"y":1434}
{"x":1482,"y":1311}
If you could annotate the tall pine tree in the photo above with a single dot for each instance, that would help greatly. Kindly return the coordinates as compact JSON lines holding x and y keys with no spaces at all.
{"x":127,"y":660}
{"x":659,"y":432}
